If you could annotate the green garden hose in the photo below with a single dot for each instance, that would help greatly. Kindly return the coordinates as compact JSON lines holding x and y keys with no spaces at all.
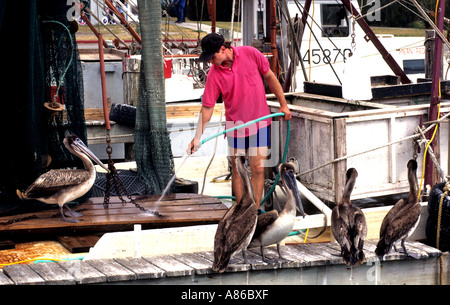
{"x":250,"y":123}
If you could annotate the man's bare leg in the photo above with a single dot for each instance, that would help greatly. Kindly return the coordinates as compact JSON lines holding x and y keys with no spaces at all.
{"x":257,"y":157}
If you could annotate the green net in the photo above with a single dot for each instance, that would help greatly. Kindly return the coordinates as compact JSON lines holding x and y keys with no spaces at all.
{"x":152,"y":143}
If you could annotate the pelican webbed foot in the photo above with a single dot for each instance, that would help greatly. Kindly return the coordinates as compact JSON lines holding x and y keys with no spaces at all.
{"x":69,"y":213}
{"x":72,"y":213}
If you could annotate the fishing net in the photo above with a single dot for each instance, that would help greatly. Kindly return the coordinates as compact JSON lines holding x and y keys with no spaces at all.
{"x":153,"y":152}
{"x":62,"y":71}
{"x":35,"y":54}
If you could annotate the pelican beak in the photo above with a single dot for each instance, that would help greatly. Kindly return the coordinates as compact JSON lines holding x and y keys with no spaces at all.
{"x":80,"y":146}
{"x":291,"y":183}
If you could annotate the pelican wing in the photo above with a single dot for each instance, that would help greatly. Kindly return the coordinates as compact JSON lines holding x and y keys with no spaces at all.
{"x":402,"y":223}
{"x":340,"y":228}
{"x":360,"y":226}
{"x":238,"y":227}
{"x":264,"y":221}
{"x":54,"y":180}
{"x":391,"y":215}
{"x":231,"y":232}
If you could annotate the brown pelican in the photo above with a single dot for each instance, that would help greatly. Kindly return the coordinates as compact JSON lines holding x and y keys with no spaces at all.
{"x":348,"y":225}
{"x":60,"y":186}
{"x":402,"y":219}
{"x":237,"y":226}
{"x":272,"y":227}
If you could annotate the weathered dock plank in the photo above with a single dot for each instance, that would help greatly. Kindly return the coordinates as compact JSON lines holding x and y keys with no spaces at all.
{"x":82,"y":272}
{"x":53,"y":274}
{"x":142,"y":268}
{"x":4,"y":279}
{"x":23,"y":275}
{"x":200,"y":264}
{"x":178,"y":210}
{"x":304,"y":263}
{"x":170,"y":265}
{"x":114,"y":271}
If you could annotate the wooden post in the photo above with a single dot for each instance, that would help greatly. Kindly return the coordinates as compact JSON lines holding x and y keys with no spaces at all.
{"x":340,"y":150}
{"x":131,"y":69}
{"x":430,"y":36}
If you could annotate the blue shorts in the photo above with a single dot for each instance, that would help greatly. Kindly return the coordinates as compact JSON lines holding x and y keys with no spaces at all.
{"x":260,"y":139}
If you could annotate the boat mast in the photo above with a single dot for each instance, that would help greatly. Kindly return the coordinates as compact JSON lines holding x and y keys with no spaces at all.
{"x":435,"y":99}
{"x":370,"y":35}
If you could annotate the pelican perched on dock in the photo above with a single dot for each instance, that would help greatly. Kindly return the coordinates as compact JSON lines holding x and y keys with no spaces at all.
{"x":237,"y":226}
{"x":272,"y":227}
{"x":60,"y":186}
{"x":402,"y":219}
{"x":348,"y":225}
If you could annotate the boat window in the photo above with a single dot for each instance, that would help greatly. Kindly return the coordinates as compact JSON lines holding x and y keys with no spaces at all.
{"x":334,"y":20}
{"x":414,"y":66}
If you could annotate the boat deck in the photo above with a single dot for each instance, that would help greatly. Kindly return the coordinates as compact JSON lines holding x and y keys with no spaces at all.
{"x":181,"y":209}
{"x":317,"y":263}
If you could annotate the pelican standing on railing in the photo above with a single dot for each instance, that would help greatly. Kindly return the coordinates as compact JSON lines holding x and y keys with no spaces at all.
{"x":402,"y":219}
{"x":237,"y":226}
{"x":272,"y":227}
{"x":348,"y":225}
{"x":60,"y":186}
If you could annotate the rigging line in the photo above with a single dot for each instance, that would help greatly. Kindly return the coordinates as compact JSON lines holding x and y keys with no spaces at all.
{"x":109,"y":30}
{"x":301,"y":8}
{"x":287,"y":16}
{"x":440,"y":34}
{"x":125,"y":9}
{"x":113,"y":16}
{"x":367,"y":4}
{"x":416,"y":135}
{"x":376,"y":10}
{"x":404,"y":2}
{"x":310,"y":33}
{"x":321,"y":48}
{"x":232,"y":22}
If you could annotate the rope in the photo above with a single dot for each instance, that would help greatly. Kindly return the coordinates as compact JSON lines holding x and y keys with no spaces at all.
{"x":438,"y":233}
{"x":416,"y":135}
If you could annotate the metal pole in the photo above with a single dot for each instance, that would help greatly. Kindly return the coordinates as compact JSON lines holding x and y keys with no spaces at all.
{"x":123,"y":21}
{"x":435,"y":99}
{"x":89,"y":24}
{"x":103,"y":80}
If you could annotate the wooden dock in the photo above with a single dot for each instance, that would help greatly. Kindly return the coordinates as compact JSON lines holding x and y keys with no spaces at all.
{"x":178,"y":210}
{"x":306,"y":264}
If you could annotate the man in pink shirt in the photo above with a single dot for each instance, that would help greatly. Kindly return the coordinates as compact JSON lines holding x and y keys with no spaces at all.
{"x":236,"y":74}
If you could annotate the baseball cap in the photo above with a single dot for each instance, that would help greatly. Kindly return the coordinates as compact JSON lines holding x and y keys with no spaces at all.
{"x":211,"y":43}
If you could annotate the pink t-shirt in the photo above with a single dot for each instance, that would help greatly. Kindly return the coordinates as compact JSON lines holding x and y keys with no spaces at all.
{"x":242,"y":90}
